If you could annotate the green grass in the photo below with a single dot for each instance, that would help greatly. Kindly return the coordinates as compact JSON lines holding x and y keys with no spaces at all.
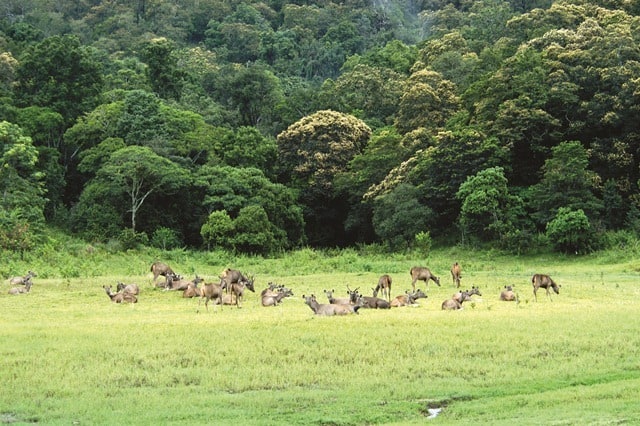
{"x":70,"y":356}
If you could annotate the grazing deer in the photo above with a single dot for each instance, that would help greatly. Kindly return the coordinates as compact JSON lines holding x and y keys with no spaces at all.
{"x":159,"y":268}
{"x":544,"y":281}
{"x":456,"y":274}
{"x":423,"y":274}
{"x":508,"y":295}
{"x":384,"y":285}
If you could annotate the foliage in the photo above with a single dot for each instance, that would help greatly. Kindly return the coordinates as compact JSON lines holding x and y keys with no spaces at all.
{"x":571,"y":232}
{"x":165,"y":239}
{"x":217,"y":231}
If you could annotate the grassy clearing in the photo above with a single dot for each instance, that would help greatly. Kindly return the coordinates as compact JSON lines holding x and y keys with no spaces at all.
{"x":70,"y":355}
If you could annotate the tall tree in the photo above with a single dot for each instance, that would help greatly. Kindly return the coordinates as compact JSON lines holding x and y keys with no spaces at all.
{"x":61,"y":74}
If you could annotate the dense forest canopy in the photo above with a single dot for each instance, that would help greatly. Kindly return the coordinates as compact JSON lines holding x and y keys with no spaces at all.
{"x":261,"y":126}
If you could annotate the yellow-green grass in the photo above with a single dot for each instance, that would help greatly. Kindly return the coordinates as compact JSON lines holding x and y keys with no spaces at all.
{"x":70,"y":356}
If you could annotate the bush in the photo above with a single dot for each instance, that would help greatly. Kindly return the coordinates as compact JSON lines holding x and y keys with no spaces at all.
{"x":423,"y":242}
{"x":132,"y":240}
{"x":165,"y":239}
{"x":571,"y":232}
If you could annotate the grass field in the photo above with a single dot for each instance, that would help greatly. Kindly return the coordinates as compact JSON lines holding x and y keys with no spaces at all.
{"x":70,"y":356}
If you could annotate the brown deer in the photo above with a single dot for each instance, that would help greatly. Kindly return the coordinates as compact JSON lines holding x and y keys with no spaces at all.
{"x":408,"y":299}
{"x":544,"y":281}
{"x":191,"y":291}
{"x":329,"y":309}
{"x":22,"y":280}
{"x":159,"y":268}
{"x":181,"y":284}
{"x":238,"y":288}
{"x":22,"y":290}
{"x":211,"y":291}
{"x":368,"y":301}
{"x":273,"y":296}
{"x":128,"y":288}
{"x":423,"y":274}
{"x":456,"y":301}
{"x":508,"y":295}
{"x":338,"y":300}
{"x":384,"y":286}
{"x":120,"y":297}
{"x":456,"y":274}
{"x":466,"y":295}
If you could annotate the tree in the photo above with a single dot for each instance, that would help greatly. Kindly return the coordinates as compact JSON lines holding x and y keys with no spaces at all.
{"x":61,"y":74}
{"x":398,"y":217}
{"x":488,"y":210}
{"x":217,"y":231}
{"x":165,"y":76}
{"x":22,"y":196}
{"x":571,"y":232}
{"x":253,"y":233}
{"x":137,"y":173}
{"x":312,"y":152}
{"x":566,"y":182}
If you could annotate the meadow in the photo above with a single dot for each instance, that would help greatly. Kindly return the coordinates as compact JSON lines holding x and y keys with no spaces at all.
{"x":70,"y":356}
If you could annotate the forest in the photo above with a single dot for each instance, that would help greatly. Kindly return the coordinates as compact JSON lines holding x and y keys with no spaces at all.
{"x":261,"y":126}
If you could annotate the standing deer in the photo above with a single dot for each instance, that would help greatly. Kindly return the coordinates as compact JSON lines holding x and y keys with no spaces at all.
{"x":239,"y":287}
{"x":423,"y":274}
{"x":159,"y":268}
{"x":456,"y":274}
{"x":211,"y":291}
{"x":384,"y":285}
{"x":544,"y":281}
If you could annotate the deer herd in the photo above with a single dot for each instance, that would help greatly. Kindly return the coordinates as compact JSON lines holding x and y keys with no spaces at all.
{"x":231,"y":289}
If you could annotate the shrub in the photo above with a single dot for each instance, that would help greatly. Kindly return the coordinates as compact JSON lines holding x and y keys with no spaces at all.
{"x":131,"y":239}
{"x":571,"y":232}
{"x":423,"y":242}
{"x":165,"y":239}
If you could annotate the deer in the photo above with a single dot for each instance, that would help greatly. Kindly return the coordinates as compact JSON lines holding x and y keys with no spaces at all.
{"x":544,"y":281}
{"x":459,"y":296}
{"x":329,"y":309}
{"x":239,"y":287}
{"x":273,"y":295}
{"x":191,"y":291}
{"x":408,"y":299}
{"x":159,"y":268}
{"x":128,"y":288}
{"x":120,"y":297}
{"x":22,"y":290}
{"x":423,"y":274}
{"x":338,"y":300}
{"x":508,"y":295}
{"x":456,"y":301}
{"x":22,"y":280}
{"x":384,"y":285}
{"x":456,"y":274}
{"x":181,"y":284}
{"x":211,"y":291}
{"x":368,"y":301}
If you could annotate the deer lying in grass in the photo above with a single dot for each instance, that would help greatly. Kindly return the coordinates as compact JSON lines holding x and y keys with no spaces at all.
{"x":368,"y":301}
{"x":181,"y":284}
{"x":128,"y":288}
{"x":274,"y":294}
{"x":544,"y":281}
{"x":456,"y":301}
{"x":338,"y":300}
{"x":22,"y":280}
{"x":22,"y":290}
{"x":508,"y":295}
{"x":408,"y":299}
{"x":120,"y":297}
{"x":329,"y":309}
{"x":423,"y":274}
{"x":459,"y":296}
{"x":384,"y":285}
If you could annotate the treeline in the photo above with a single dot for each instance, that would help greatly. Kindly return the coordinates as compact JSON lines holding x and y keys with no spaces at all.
{"x":261,"y":126}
